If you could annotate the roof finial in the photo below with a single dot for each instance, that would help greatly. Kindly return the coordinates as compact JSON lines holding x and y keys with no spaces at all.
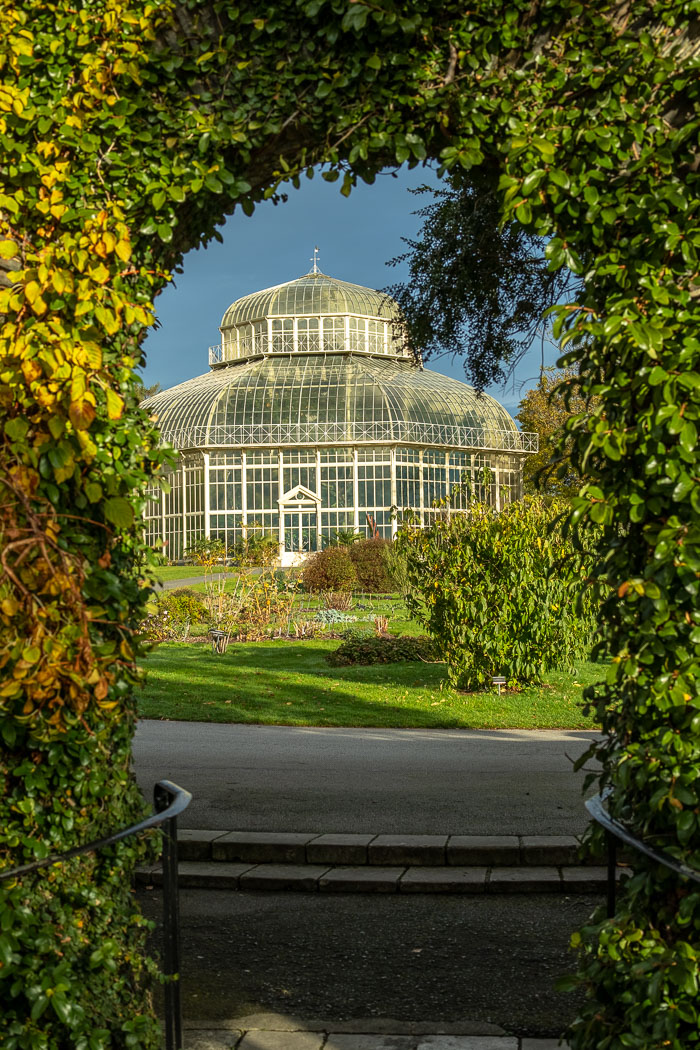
{"x":315,"y":260}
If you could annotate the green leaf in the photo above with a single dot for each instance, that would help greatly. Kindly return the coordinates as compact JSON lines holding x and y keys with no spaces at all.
{"x":17,"y":428}
{"x":93,"y":491}
{"x":688,"y":436}
{"x":119,"y":511}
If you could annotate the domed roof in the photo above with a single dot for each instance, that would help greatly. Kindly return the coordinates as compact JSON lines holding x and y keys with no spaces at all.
{"x":313,"y":294}
{"x":330,"y":399}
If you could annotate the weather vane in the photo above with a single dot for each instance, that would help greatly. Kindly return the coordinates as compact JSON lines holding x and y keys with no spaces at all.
{"x":314,"y":260}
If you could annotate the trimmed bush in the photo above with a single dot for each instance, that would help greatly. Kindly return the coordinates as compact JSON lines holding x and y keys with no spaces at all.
{"x":370,"y":560}
{"x":386,"y":649}
{"x":330,"y":570}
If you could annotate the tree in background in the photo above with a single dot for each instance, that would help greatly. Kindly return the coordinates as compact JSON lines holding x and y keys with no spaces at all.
{"x":478,"y":287}
{"x":546,"y":410}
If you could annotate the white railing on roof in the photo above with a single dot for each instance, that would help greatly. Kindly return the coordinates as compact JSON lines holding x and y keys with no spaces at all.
{"x":378,"y":432}
{"x":216,"y":354}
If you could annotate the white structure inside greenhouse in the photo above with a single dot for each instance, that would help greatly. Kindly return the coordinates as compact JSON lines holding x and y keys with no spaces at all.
{"x":314,"y":419}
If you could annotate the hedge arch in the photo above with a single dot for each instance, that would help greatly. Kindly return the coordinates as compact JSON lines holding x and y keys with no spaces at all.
{"x":129,"y":129}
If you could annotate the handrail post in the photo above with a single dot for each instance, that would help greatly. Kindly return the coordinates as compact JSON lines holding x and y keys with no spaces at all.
{"x":612,"y":871}
{"x":171,"y":927}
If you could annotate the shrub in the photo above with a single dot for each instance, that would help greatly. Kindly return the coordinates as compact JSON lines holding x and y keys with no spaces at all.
{"x":397,"y":569}
{"x":330,"y":570}
{"x":386,"y":649}
{"x":174,"y":613}
{"x":206,"y":551}
{"x":370,"y":560}
{"x":257,"y":549}
{"x":503,"y":593}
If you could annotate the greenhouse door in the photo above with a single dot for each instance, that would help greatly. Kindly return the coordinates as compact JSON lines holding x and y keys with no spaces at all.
{"x":300,"y":531}
{"x":299,"y":521}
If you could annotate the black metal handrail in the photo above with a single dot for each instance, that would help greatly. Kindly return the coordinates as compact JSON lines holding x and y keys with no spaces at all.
{"x":169,"y":800}
{"x":614,"y":830}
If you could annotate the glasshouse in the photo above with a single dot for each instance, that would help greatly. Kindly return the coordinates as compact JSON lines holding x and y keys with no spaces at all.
{"x":315,"y":419}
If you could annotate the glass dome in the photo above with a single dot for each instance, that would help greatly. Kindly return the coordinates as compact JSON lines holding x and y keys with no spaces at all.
{"x":314,"y":293}
{"x":313,"y":314}
{"x":341,"y":398}
{"x":314,"y":420}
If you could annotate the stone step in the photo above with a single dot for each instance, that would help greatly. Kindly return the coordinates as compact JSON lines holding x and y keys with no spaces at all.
{"x":375,"y":878}
{"x":228,"y":1039}
{"x":460,"y":851}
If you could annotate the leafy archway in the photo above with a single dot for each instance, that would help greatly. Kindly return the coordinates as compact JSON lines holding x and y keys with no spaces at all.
{"x":128,"y":130}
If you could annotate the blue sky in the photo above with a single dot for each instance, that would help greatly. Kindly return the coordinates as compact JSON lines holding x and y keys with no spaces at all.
{"x":356,"y":235}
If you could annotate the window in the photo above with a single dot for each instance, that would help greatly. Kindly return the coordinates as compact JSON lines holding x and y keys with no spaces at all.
{"x":260,"y":336}
{"x":308,"y":334}
{"x":375,"y":337}
{"x":358,"y":333}
{"x":283,"y":335}
{"x":333,"y":333}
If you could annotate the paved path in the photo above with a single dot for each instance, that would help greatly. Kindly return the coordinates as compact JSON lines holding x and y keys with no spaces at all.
{"x":371,"y":781}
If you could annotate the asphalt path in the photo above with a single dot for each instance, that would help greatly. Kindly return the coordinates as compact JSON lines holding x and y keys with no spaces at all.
{"x":372,"y":781}
{"x":436,"y":958}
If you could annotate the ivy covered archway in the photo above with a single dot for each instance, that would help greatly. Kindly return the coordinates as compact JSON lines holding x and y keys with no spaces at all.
{"x":129,"y":129}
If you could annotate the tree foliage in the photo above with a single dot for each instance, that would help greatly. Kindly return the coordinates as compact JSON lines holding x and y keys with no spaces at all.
{"x":478,"y":288}
{"x":501,"y":593}
{"x":129,"y":130}
{"x":547,"y":410}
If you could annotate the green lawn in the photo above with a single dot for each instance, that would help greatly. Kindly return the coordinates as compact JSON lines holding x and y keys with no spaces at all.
{"x":177,"y":572}
{"x":290,"y":683}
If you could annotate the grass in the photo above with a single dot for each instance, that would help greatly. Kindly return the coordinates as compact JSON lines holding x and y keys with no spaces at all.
{"x":290,"y":683}
{"x":177,"y":572}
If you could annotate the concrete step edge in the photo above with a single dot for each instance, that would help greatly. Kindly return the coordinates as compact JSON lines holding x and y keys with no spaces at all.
{"x":313,"y":878}
{"x":217,"y":1038}
{"x":380,"y":849}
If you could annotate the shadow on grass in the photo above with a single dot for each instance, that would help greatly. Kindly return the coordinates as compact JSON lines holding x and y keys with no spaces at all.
{"x":287,"y":683}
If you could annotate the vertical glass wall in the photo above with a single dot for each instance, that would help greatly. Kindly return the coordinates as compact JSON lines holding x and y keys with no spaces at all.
{"x":304,"y":496}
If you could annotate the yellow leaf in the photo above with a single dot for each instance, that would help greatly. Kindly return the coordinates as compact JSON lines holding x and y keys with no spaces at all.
{"x":107,"y":319}
{"x":100,"y":273}
{"x":11,"y":689}
{"x":32,"y":291}
{"x":78,"y":386}
{"x":93,"y":354}
{"x":10,"y":606}
{"x":8,"y":249}
{"x":115,"y":405}
{"x":81,"y":414}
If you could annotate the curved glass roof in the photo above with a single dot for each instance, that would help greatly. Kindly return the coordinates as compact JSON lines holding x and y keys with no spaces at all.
{"x":313,"y":294}
{"x":331,"y":399}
